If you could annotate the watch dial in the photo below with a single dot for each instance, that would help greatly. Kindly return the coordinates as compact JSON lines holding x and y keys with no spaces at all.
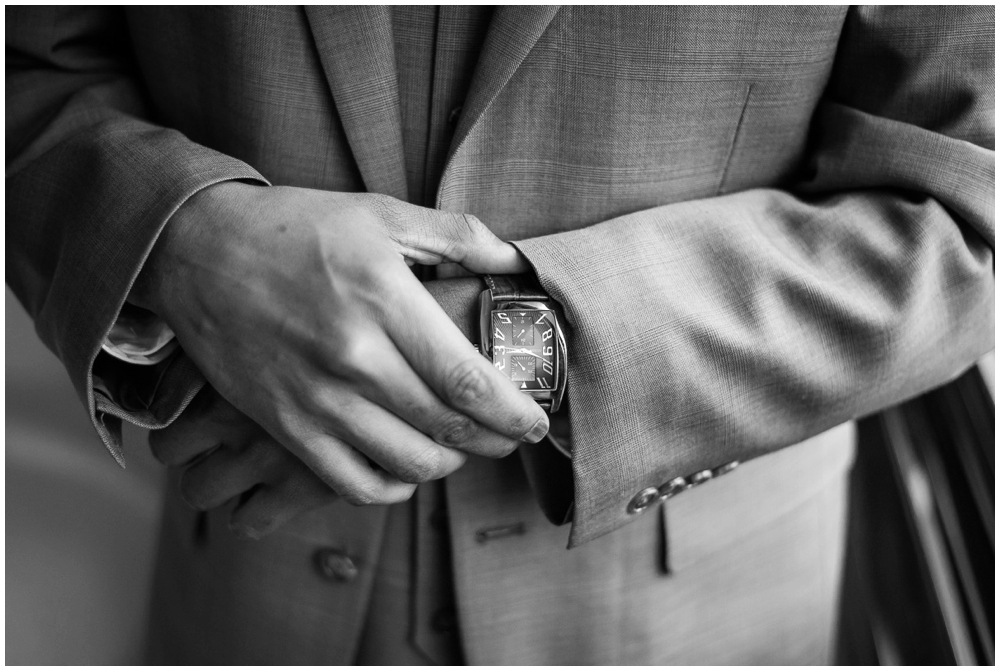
{"x":524,"y":347}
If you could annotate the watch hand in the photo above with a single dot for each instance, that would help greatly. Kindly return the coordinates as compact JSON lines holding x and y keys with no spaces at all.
{"x":522,"y":351}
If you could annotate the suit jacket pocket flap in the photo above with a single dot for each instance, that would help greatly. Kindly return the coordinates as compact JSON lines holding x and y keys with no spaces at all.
{"x":711,"y":516}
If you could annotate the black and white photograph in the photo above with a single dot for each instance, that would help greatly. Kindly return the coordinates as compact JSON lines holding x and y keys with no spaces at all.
{"x":405,"y":335}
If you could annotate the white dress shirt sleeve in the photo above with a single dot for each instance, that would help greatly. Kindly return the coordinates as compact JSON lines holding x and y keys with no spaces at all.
{"x":140,"y":337}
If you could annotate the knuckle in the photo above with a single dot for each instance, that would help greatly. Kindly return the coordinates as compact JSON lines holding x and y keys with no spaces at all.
{"x":467,"y":384}
{"x":455,"y":430}
{"x":354,"y":357}
{"x":290,"y":425}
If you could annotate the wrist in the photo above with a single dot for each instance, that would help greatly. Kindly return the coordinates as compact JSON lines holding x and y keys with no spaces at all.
{"x":157,"y":281}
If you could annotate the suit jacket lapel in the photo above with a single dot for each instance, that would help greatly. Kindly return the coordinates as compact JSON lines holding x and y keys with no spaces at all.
{"x":356,"y":49}
{"x":513,"y":32}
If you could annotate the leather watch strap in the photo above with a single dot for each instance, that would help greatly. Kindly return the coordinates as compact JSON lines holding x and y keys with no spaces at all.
{"x":523,"y":287}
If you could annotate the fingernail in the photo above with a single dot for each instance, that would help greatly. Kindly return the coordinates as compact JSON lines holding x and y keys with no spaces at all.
{"x":538,"y":431}
{"x":243,"y":532}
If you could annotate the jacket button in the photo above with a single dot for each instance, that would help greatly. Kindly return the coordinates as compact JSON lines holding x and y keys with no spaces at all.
{"x":700,"y":477}
{"x":454,"y":115}
{"x":643,"y":500}
{"x":722,"y":470}
{"x":336,"y":565}
{"x":672,"y":488}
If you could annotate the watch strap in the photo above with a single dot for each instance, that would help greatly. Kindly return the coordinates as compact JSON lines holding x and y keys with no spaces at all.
{"x":524,"y":287}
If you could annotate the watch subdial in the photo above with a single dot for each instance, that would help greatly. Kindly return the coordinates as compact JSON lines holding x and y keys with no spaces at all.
{"x":522,"y":369}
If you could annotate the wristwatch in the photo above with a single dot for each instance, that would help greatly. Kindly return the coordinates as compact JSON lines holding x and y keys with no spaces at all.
{"x":521,"y":334}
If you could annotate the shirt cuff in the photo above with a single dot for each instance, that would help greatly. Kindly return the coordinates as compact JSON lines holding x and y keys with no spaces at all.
{"x":140,"y":337}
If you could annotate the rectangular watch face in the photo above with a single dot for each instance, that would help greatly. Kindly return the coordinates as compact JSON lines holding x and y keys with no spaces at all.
{"x":524,"y":347}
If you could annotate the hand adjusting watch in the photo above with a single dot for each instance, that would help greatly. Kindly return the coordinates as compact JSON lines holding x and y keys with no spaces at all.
{"x":520,"y":333}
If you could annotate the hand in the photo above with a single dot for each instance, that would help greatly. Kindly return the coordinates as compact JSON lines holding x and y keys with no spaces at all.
{"x":299,"y":308}
{"x":225,"y":455}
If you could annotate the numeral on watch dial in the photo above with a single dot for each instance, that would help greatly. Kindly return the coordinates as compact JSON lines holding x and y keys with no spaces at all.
{"x":532,"y":365}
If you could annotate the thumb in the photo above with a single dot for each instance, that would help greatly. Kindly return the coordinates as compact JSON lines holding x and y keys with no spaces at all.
{"x":480,"y":251}
{"x":446,"y":237}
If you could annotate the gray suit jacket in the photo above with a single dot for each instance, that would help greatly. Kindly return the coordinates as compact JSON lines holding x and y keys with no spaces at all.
{"x":761,"y":222}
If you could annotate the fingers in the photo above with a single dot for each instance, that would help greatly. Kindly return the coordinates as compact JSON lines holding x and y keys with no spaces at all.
{"x":209,"y":421}
{"x":455,"y":370}
{"x":349,"y":473}
{"x":272,"y":505}
{"x":280,"y":487}
{"x":228,"y":472}
{"x":397,"y":447}
{"x":390,"y":382}
{"x":245,"y":456}
{"x":478,"y":249}
{"x":429,"y":236}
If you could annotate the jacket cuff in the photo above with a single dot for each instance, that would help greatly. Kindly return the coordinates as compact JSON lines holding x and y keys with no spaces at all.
{"x":150,"y":397}
{"x":613,"y":477}
{"x":128,"y":179}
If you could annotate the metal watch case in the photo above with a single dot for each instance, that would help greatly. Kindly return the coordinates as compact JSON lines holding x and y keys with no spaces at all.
{"x":548,"y":399}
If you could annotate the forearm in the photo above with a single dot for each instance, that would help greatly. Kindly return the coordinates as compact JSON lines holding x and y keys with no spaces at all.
{"x":90,"y":185}
{"x":731,"y":341}
{"x":717,"y":330}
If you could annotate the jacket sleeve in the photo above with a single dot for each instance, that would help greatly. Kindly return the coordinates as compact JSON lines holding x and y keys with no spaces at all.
{"x":90,"y":183}
{"x":718,"y":330}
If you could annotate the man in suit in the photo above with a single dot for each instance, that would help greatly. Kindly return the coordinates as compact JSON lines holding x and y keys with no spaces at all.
{"x":759,"y":223}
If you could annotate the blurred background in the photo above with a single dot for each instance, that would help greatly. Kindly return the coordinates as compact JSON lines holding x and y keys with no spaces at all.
{"x":81,"y":531}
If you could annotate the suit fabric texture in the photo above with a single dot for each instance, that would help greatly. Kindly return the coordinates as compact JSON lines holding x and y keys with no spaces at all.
{"x":760,"y":222}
